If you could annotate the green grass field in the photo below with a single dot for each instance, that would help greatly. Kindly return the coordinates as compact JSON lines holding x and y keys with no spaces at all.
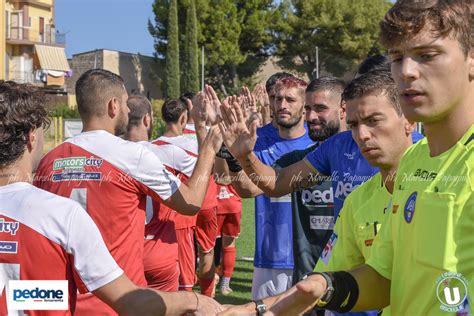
{"x":241,"y":282}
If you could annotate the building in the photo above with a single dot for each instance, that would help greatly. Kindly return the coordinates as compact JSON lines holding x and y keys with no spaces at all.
{"x":31,"y":49}
{"x":141,"y":73}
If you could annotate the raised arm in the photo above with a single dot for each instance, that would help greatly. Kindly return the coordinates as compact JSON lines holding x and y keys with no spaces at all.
{"x":190,"y":195}
{"x":240,"y":137}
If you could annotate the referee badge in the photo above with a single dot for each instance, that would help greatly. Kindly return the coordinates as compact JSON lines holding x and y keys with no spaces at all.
{"x":410,"y":207}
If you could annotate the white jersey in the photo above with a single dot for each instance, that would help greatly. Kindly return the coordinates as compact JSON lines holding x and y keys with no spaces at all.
{"x":51,"y":238}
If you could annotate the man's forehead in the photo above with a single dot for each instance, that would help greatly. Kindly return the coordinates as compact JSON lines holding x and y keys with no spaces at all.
{"x":286,"y":91}
{"x":424,"y":39}
{"x":368,"y":105}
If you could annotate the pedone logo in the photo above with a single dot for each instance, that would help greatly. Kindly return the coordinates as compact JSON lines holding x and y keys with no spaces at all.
{"x":451,"y":291}
{"x":318,"y":196}
{"x":37,"y":295}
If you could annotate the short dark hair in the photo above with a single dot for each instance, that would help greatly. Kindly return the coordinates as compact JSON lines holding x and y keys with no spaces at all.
{"x":172,"y":109}
{"x":332,"y":84}
{"x":94,"y":88}
{"x":376,"y":82}
{"x":275,"y":78}
{"x":22,"y":108}
{"x":444,"y":17}
{"x":187,"y":95}
{"x":372,"y":63}
{"x":139,"y":106}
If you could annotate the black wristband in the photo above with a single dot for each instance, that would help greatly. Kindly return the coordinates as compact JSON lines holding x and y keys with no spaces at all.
{"x":224,"y":152}
{"x":346,"y":292}
{"x":234,"y":165}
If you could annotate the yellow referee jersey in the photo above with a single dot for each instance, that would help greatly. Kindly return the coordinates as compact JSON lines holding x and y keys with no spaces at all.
{"x":359,"y":222}
{"x":426,"y":247}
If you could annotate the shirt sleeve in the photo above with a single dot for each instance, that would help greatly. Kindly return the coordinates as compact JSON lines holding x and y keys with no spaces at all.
{"x":157,"y":182}
{"x":319,"y":158}
{"x":92,"y":261}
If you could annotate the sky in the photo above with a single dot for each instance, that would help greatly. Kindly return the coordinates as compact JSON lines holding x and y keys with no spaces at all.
{"x":112,"y":24}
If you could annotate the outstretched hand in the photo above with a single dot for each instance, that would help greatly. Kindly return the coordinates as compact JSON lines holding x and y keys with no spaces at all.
{"x":239,"y":134}
{"x":301,"y":298}
{"x":213,"y":107}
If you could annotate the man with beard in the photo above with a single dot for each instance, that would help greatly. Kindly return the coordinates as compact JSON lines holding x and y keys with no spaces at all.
{"x":271,"y":129}
{"x":313,"y":208}
{"x":273,"y":259}
{"x":111,"y":177}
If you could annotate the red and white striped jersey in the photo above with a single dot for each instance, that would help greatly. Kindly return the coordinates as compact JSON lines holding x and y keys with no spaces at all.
{"x":52,"y":238}
{"x":179,"y":154}
{"x":190,"y":131}
{"x":110,"y":178}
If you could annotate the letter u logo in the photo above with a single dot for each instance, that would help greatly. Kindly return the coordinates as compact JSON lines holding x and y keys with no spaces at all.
{"x":449,"y":299}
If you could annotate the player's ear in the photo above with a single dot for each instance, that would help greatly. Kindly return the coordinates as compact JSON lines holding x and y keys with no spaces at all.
{"x":471,"y":64}
{"x":113,"y":107}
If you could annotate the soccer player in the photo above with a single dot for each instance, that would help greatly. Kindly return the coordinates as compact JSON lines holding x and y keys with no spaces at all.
{"x":206,"y":221}
{"x":313,"y":208}
{"x":160,"y":254}
{"x":229,"y":212}
{"x":179,"y":153}
{"x":111,"y":177}
{"x":271,"y":129}
{"x":422,"y":262}
{"x":273,"y":259}
{"x":53,"y":238}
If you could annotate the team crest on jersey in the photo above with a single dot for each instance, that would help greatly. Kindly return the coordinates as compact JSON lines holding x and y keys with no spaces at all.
{"x":410,"y":205}
{"x":9,"y":227}
{"x":73,"y":169}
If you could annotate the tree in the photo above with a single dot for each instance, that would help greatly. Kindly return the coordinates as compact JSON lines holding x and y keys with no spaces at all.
{"x":172,"y":53}
{"x":191,"y":69}
{"x":344,"y":31}
{"x":236,"y":36}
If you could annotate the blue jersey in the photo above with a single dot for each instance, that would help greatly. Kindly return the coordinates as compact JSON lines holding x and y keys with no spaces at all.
{"x":268,"y":131}
{"x":340,"y":157}
{"x":274,"y":232}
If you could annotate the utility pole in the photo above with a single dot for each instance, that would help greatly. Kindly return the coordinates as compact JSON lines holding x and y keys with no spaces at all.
{"x":317,"y":62}
{"x":202,"y":68}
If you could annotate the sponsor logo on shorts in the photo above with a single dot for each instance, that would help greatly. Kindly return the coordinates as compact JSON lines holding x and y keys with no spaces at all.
{"x":8,"y":247}
{"x":9,"y":227}
{"x":410,"y":206}
{"x":37,"y":295}
{"x":451,"y":291}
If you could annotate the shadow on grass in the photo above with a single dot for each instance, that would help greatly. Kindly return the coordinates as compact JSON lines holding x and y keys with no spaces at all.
{"x":240,"y":268}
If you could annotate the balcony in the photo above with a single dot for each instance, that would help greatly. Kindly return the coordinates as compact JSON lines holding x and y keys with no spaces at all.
{"x":42,"y":4}
{"x":21,"y":35}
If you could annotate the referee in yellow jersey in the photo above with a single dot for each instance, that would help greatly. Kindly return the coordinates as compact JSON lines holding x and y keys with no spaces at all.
{"x":383,"y":134}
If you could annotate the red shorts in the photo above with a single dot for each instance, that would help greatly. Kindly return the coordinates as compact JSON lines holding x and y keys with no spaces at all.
{"x":229,"y":224}
{"x":186,"y":255}
{"x":164,"y":278}
{"x":206,"y":229}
